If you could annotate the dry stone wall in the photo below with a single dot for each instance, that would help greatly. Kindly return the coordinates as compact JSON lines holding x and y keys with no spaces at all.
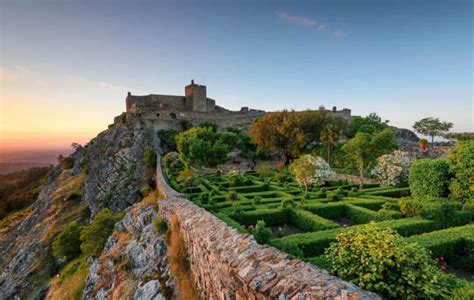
{"x":228,"y":265}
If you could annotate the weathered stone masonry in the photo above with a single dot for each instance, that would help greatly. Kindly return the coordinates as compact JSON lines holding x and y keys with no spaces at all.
{"x":228,"y":265}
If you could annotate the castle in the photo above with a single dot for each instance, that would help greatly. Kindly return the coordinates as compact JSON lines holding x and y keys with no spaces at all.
{"x":165,"y":111}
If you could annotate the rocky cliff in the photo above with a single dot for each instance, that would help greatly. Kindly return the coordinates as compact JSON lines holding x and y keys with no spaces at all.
{"x":107,"y":172}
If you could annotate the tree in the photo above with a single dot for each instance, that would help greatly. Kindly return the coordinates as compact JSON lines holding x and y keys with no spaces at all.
{"x":290,"y":133}
{"x":364,"y":149}
{"x":204,"y":146}
{"x":429,"y":178}
{"x":432,"y":127}
{"x":369,"y":124}
{"x":392,"y":169}
{"x":95,"y":235}
{"x":459,"y":136}
{"x":67,"y":244}
{"x":150,"y":157}
{"x":330,"y":137}
{"x":310,"y":171}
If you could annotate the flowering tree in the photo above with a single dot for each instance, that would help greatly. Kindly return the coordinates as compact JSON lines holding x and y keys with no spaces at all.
{"x":310,"y":171}
{"x":392,"y":169}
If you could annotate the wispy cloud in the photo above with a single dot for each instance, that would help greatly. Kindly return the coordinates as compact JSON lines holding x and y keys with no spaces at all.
{"x":309,"y":23}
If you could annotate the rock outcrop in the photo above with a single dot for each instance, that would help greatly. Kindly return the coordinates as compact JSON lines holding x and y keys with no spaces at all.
{"x":133,"y":261}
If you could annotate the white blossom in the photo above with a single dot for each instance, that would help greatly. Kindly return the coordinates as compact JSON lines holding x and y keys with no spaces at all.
{"x":392,"y":169}
{"x":310,"y":171}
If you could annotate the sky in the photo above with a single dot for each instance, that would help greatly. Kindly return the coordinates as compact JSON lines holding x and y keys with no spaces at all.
{"x":66,"y":66}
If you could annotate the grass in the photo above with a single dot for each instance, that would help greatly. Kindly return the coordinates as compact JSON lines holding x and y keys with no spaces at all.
{"x":179,"y":264}
{"x":71,"y":281}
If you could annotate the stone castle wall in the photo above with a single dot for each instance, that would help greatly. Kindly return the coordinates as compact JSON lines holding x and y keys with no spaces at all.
{"x":228,"y":265}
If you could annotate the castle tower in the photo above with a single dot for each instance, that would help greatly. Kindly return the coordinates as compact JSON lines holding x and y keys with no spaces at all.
{"x":197,"y":94}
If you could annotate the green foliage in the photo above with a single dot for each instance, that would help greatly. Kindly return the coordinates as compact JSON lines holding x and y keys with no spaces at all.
{"x":271,"y":217}
{"x":173,"y":163}
{"x":160,"y":225}
{"x":369,"y":124}
{"x":382,"y":261}
{"x":444,"y":212}
{"x":204,"y":146}
{"x":168,"y":139}
{"x":364,"y":149}
{"x":149,"y":158}
{"x":432,"y":127}
{"x":288,"y":203}
{"x":448,"y":243}
{"x":307,"y":221}
{"x":232,"y":223}
{"x":66,"y":162}
{"x":207,"y":124}
{"x":429,"y":178}
{"x":236,"y":179}
{"x":462,"y":166}
{"x":67,"y":244}
{"x":231,"y":196}
{"x":410,"y":207}
{"x":262,"y":233}
{"x":469,"y":208}
{"x":265,"y":170}
{"x":464,"y":293}
{"x":95,"y":235}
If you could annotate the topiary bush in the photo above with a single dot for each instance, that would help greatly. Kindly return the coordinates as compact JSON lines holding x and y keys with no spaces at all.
{"x":262,"y":233}
{"x":445,"y":212}
{"x":381,"y":261}
{"x":462,"y":166}
{"x":429,"y":178}
{"x":231,"y":196}
{"x":68,"y":244}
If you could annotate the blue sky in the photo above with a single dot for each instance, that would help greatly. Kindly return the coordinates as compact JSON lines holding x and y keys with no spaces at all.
{"x":404,"y":60}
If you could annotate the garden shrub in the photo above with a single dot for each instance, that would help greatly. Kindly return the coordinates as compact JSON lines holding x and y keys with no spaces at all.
{"x":450,"y":243}
{"x":95,"y":235}
{"x":231,"y":196}
{"x":429,"y":178}
{"x":392,"y":169}
{"x":288,"y":203}
{"x":265,"y":170}
{"x":410,"y":207}
{"x":188,"y":178}
{"x":319,"y":261}
{"x":445,"y":212}
{"x":160,"y":225}
{"x":388,"y":214}
{"x":262,"y":233}
{"x":293,"y":250}
{"x":462,"y":165}
{"x":307,"y":221}
{"x":68,"y":244}
{"x":381,"y":261}
{"x":150,"y":157}
{"x":464,"y":293}
{"x":270,"y":216}
{"x":469,"y":208}
{"x":328,"y":211}
{"x":232,"y":223}
{"x":360,"y":215}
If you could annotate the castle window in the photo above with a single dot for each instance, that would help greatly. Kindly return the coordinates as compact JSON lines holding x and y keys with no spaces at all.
{"x":173,"y":116}
{"x":158,"y":115}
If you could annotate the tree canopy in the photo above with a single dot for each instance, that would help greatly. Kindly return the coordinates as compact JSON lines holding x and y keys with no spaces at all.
{"x":290,"y":132}
{"x":432,"y":127}
{"x":369,"y":124}
{"x":205,"y":146}
{"x":365,"y":148}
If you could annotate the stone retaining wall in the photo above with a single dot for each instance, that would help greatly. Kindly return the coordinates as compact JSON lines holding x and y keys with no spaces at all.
{"x":229,"y":265}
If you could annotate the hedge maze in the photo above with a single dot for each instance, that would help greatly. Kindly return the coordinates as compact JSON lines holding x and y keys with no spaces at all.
{"x":304,"y":226}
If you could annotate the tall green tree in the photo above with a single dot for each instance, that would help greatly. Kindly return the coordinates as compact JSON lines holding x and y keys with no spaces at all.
{"x":364,"y":149}
{"x":432,"y":127}
{"x":67,"y":244}
{"x":206,"y":147}
{"x":329,"y":137}
{"x":290,"y":133}
{"x":369,"y":124}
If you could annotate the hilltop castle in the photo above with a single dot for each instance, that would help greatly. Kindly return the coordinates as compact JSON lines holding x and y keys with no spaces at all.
{"x":163,"y":111}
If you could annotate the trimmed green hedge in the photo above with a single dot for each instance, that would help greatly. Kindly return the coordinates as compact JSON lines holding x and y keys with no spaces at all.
{"x":361,"y":215}
{"x":328,"y":211}
{"x":270,"y":216}
{"x":314,"y":243}
{"x":429,"y":178}
{"x":232,"y":223}
{"x":306,"y":221}
{"x":449,"y":243}
{"x":392,"y":192}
